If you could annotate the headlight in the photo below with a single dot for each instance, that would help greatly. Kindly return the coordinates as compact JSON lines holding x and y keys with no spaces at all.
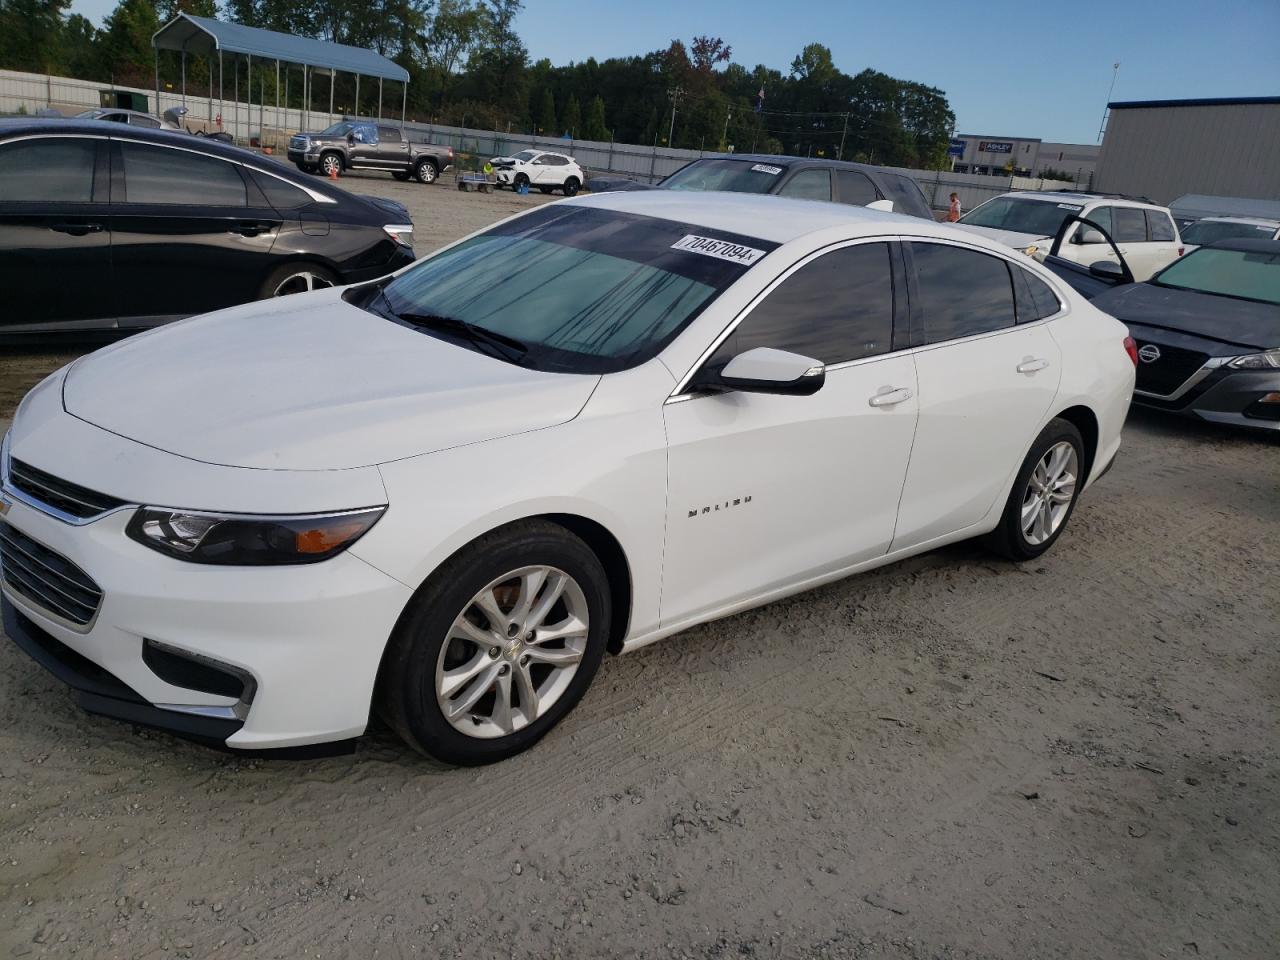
{"x":240,"y":539}
{"x":1268,"y":360}
{"x":401,"y":233}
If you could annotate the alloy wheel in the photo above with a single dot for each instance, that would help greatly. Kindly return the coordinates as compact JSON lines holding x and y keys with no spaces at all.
{"x":1050,"y":490}
{"x":330,"y":164}
{"x":512,"y":652}
{"x":303,"y":281}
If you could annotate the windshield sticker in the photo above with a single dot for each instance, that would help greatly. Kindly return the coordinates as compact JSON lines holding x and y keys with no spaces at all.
{"x":1073,"y":207}
{"x":765,"y":168}
{"x":720,"y":249}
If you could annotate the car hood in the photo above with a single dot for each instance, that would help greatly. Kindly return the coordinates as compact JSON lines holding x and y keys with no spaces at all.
{"x":1224,"y":319}
{"x":1011,"y":238}
{"x":311,"y":383}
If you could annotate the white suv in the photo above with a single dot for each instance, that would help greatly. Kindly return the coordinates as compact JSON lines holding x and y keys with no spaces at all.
{"x":1143,"y":232}
{"x":538,"y":168}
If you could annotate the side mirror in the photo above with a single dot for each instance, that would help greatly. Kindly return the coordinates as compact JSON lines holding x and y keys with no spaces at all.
{"x":1107,"y":270}
{"x":1089,"y":235}
{"x":765,"y":370}
{"x":885,"y":205}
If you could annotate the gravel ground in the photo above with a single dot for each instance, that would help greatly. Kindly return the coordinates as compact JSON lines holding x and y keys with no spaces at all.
{"x":952,"y":757}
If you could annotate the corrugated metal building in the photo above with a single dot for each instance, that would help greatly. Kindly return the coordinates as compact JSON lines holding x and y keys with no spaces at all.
{"x":1163,"y":149}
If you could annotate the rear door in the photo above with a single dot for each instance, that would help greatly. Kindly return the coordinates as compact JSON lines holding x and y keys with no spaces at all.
{"x":1163,"y":239}
{"x":1129,"y":230}
{"x":190,"y":233}
{"x":393,"y":150}
{"x":855,"y":187}
{"x":55,"y":238}
{"x":986,"y":382}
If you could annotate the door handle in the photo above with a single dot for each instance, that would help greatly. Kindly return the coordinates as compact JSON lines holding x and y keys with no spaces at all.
{"x":250,"y":229}
{"x":890,"y":397}
{"x":1032,"y":364}
{"x":76,"y":229}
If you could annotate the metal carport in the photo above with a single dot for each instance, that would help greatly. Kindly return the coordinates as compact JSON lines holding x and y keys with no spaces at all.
{"x":202,"y":36}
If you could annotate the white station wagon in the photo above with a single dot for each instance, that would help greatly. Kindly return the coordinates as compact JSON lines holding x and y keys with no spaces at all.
{"x":444,"y":497}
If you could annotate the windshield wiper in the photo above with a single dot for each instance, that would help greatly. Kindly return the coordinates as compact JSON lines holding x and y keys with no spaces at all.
{"x":502,"y":346}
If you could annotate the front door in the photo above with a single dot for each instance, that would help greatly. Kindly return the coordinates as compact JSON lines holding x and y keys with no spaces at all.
{"x":985,"y":382}
{"x":767,"y":491}
{"x":190,"y":233}
{"x":55,"y":238}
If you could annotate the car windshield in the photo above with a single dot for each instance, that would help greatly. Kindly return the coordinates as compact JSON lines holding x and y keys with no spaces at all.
{"x":337,"y":130}
{"x":577,"y":289}
{"x":1209,"y":231}
{"x":525,"y":155}
{"x":1243,"y":274}
{"x":1040,"y":218}
{"x":736,"y":176}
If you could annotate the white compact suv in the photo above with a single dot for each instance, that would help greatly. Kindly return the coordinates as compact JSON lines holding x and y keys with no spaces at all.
{"x":1143,"y":232}
{"x":541,"y":169}
{"x":444,"y":496}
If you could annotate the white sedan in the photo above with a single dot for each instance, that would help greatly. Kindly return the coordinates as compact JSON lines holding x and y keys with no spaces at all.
{"x":445,"y":497}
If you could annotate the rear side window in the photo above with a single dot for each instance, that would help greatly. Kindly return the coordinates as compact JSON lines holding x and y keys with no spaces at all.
{"x":808,"y":185}
{"x":389,"y":134}
{"x":962,"y":292}
{"x":836,"y":308}
{"x":57,"y":170}
{"x":1159,"y":226}
{"x":856,"y":188}
{"x":1131,"y":225}
{"x":149,"y":122}
{"x":281,"y":195}
{"x":162,"y":175}
{"x":1035,"y":300}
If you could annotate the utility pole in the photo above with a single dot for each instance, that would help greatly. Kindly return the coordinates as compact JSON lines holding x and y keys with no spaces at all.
{"x":844,"y":133}
{"x":724,"y":139}
{"x":675,"y":93}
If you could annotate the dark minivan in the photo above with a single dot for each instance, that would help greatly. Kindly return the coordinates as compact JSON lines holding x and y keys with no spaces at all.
{"x":106,"y":228}
{"x":801,"y":178}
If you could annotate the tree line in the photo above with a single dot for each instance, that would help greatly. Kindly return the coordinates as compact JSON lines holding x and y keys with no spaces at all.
{"x":469,"y":67}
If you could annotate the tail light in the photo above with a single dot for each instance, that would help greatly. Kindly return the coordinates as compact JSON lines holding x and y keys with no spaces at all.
{"x":1131,"y":348}
{"x":1181,"y":251}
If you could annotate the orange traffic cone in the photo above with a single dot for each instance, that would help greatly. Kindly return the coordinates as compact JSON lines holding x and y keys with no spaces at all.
{"x":333,"y":172}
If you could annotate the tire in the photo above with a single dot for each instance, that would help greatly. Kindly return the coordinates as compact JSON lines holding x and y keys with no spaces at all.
{"x":1057,"y":456}
{"x":521,"y":180}
{"x":546,"y":190}
{"x":402,"y":175}
{"x":424,"y":171}
{"x":414,"y":689}
{"x":571,"y":186}
{"x":330,"y":161}
{"x":296,"y":278}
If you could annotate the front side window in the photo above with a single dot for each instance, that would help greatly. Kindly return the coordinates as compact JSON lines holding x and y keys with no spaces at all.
{"x":962,"y":292}
{"x":1247,"y":274}
{"x":838,"y":307}
{"x":1130,"y":225}
{"x":734,"y":176}
{"x":1159,"y":226}
{"x":1102,"y":217}
{"x":339,"y":129}
{"x":524,"y":156}
{"x":164,"y":175}
{"x":56,"y":170}
{"x":808,"y":185}
{"x":576,"y":289}
{"x":1041,"y":218}
{"x":856,"y":188}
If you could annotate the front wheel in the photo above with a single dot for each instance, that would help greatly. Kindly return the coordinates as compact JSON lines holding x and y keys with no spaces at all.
{"x":1044,"y":493}
{"x":425,"y":171}
{"x":331,"y":164}
{"x":497,"y":646}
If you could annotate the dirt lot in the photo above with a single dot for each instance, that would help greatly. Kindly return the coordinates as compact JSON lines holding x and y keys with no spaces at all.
{"x":953,"y":757}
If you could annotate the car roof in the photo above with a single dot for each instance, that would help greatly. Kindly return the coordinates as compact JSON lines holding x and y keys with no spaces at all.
{"x":766,"y":217}
{"x":786,"y":161}
{"x":1253,"y":221}
{"x":1083,"y":198}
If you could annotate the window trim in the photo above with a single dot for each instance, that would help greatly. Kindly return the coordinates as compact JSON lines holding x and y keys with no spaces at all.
{"x":680,"y":394}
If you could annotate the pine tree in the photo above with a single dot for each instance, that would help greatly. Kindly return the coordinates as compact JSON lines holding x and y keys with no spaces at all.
{"x":546,"y":117}
{"x":594,"y":128}
{"x":571,"y":122}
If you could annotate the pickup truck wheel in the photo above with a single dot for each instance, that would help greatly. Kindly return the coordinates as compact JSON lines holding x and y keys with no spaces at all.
{"x":331,"y":163}
{"x":400,"y":175}
{"x":296,"y":278}
{"x":425,"y":171}
{"x":571,"y":186}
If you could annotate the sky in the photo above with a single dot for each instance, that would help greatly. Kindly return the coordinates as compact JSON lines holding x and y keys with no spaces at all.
{"x":1008,"y":69}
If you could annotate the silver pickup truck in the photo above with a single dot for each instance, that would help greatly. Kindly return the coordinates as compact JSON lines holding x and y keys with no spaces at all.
{"x":365,"y":145}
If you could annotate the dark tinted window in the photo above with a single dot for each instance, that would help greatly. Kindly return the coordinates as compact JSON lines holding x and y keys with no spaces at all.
{"x":962,"y":292}
{"x":855,"y":187}
{"x":1131,"y":225}
{"x":906,"y":196}
{"x":281,"y":195}
{"x":1159,"y":226}
{"x":161,"y":175}
{"x":837,"y":308}
{"x":1035,"y":299}
{"x":808,"y":185}
{"x":389,"y":134}
{"x":42,"y":171}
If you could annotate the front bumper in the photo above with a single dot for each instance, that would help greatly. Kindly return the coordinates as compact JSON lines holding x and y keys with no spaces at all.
{"x":308,"y":639}
{"x":1225,"y":395}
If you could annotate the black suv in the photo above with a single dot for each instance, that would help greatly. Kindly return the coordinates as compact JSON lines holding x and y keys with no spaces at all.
{"x":801,"y":178}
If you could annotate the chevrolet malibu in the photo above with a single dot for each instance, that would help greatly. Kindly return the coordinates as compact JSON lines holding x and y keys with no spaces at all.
{"x":445,"y":496}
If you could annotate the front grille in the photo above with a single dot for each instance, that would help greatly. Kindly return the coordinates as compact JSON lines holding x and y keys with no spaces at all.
{"x":66,"y":497}
{"x":1165,"y":375}
{"x":47,"y":579}
{"x":298,"y":143}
